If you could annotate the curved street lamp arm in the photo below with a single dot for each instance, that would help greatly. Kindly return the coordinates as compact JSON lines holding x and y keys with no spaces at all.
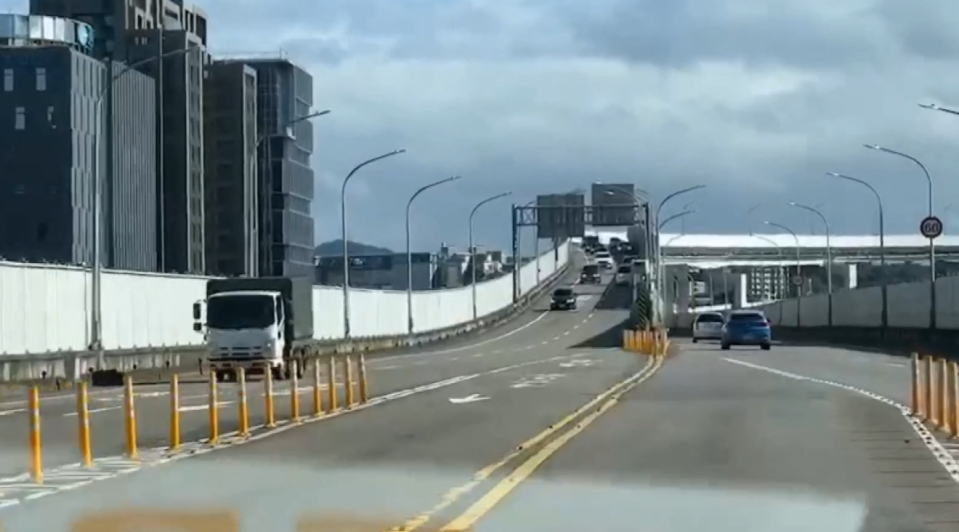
{"x":487,"y":200}
{"x":364,"y":163}
{"x":673,"y":217}
{"x":673,"y":195}
{"x":427,"y":187}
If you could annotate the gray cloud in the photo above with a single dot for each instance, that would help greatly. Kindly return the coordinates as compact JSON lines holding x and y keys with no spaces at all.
{"x":756,"y":99}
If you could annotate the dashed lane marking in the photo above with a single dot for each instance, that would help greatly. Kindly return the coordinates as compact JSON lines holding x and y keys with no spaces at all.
{"x":937,"y":449}
{"x":19,"y":489}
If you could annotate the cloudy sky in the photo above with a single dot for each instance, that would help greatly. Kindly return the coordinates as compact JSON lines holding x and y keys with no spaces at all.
{"x":754,"y":98}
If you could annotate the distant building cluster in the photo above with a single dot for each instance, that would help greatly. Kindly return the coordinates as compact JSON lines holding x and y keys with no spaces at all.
{"x":202,"y":166}
{"x":431,"y":271}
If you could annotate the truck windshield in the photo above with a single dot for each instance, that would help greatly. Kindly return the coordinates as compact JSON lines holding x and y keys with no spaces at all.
{"x":240,"y":312}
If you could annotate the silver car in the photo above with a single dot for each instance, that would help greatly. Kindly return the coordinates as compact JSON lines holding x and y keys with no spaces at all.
{"x":708,"y":326}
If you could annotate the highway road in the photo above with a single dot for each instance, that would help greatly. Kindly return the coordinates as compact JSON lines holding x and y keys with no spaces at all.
{"x":545,"y":424}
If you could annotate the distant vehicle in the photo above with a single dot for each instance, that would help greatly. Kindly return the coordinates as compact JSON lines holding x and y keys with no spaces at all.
{"x":563,"y":298}
{"x":604,"y":259}
{"x":590,"y":242}
{"x":708,"y":326}
{"x":747,"y":327}
{"x":624,"y":274}
{"x":259,"y":324}
{"x":590,"y":274}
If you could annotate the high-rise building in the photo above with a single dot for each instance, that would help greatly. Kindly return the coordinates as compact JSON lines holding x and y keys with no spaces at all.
{"x":285,"y":177}
{"x":230,"y":136}
{"x":48,"y":130}
{"x":134,"y":31}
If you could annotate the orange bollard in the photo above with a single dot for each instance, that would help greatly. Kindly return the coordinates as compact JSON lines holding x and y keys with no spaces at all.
{"x":914,"y":385}
{"x":949,"y":392}
{"x":244,"y":408}
{"x":941,"y":391}
{"x":268,"y":397}
{"x":214,"y":411}
{"x":364,"y":385}
{"x":317,"y":395}
{"x":331,"y":387}
{"x":36,"y":450}
{"x":130,"y":415}
{"x":348,"y":378}
{"x":295,"y":392}
{"x":927,"y":385}
{"x":83,"y":415}
{"x":175,"y":413}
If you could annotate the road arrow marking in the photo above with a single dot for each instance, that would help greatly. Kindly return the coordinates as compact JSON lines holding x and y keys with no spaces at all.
{"x":468,"y":399}
{"x":584,"y":362}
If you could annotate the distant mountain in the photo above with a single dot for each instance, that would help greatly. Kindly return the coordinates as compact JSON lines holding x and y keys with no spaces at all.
{"x":334,"y":248}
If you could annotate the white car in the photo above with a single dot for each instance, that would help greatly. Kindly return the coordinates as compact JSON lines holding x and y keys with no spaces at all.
{"x":708,"y":326}
{"x":604,"y":259}
{"x":624,"y":274}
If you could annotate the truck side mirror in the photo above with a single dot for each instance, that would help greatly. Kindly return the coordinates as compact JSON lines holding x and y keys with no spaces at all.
{"x":197,"y":326}
{"x":196,"y":312}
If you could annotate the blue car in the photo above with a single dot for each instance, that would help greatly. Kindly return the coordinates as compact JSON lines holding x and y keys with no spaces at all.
{"x":747,"y":327}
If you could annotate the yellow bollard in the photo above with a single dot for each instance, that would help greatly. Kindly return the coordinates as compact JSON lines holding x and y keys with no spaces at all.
{"x":927,"y":385}
{"x":348,"y":377}
{"x":364,"y":386}
{"x":244,"y":407}
{"x":83,"y":415}
{"x":36,"y":451}
{"x":175,"y":413}
{"x":331,"y":388}
{"x":130,"y":415}
{"x":214,"y":412}
{"x":914,"y":385}
{"x":941,"y":390}
{"x":295,"y":391}
{"x":626,"y":345}
{"x":948,"y":389}
{"x":268,"y":395}
{"x":317,"y":395}
{"x":954,"y":393}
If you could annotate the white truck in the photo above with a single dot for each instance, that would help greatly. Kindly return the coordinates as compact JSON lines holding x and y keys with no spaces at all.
{"x":259,"y":324}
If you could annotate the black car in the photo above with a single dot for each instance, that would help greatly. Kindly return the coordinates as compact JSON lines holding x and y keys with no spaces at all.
{"x":590,"y":274}
{"x":563,"y":298}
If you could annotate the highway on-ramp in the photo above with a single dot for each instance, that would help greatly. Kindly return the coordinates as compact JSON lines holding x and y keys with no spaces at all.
{"x":553,"y":427}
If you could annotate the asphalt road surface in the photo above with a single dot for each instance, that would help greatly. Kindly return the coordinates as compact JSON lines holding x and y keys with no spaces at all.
{"x":550,"y":427}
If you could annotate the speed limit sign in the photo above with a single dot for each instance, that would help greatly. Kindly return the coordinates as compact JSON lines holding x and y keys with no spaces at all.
{"x":931,"y":227}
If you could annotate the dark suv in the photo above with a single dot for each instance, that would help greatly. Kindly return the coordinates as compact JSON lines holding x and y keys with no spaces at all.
{"x":590,"y":274}
{"x":563,"y":298}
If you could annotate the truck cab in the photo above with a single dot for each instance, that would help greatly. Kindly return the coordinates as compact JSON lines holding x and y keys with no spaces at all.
{"x":250,"y":325}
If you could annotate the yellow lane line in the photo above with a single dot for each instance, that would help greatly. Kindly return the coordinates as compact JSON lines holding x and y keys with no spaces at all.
{"x":453,"y":495}
{"x":521,"y":473}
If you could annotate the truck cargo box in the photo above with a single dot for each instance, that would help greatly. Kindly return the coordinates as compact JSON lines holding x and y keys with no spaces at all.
{"x":297,"y":291}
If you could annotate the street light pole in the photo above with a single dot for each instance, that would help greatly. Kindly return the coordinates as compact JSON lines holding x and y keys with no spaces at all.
{"x":254,"y":197}
{"x":346,"y":250}
{"x":659,"y":251}
{"x":932,"y":244}
{"x":798,"y":270}
{"x":882,"y":241}
{"x":825,"y":222}
{"x":473,"y":249}
{"x":409,"y":252}
{"x":96,"y":321}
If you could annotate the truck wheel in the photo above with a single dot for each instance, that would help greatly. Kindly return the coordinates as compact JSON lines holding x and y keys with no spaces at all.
{"x":278,"y":373}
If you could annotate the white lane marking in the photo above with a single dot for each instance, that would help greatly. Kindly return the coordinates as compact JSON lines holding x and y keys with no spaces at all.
{"x":544,"y":342}
{"x":197,"y":408}
{"x":12,"y":412}
{"x":382,"y":368}
{"x":19,"y":489}
{"x":566,"y":333}
{"x":477,"y":355}
{"x":556,"y":338}
{"x":938,"y":451}
{"x":94,"y":411}
{"x":453,"y":359}
{"x":536,"y":381}
{"x":576,"y":326}
{"x":468,"y":399}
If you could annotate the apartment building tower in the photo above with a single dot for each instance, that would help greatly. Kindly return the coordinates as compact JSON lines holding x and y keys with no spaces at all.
{"x":147,"y":33}
{"x":50,"y":84}
{"x":285,"y":177}
{"x":230,"y":136}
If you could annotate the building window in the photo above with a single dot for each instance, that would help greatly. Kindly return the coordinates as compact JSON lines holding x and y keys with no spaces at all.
{"x":20,"y":119}
{"x":41,"y":79}
{"x":8,"y":80}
